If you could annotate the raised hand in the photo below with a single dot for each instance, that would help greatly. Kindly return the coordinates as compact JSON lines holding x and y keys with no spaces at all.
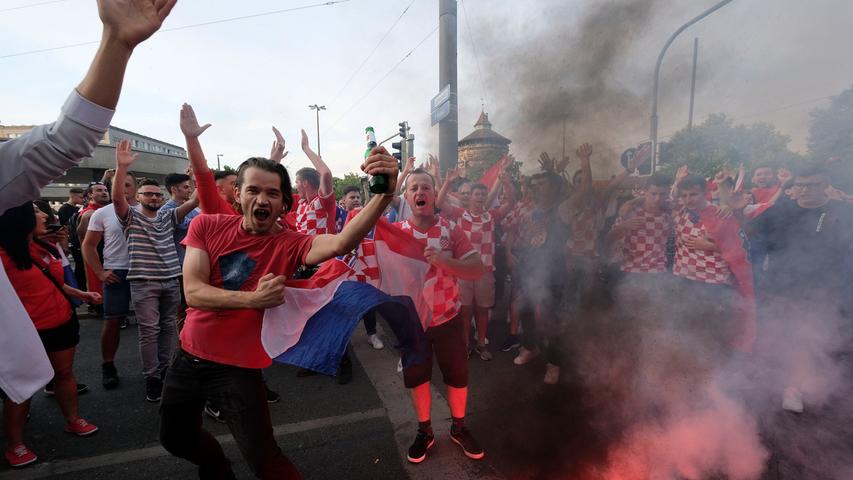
{"x":452,"y":175}
{"x":189,"y":124}
{"x":784,"y":175}
{"x":380,"y":162}
{"x":270,"y":291}
{"x":562,"y":165}
{"x":584,"y":151}
{"x":132,"y":21}
{"x":124,"y":155}
{"x":546,"y":163}
{"x":682,"y":172}
{"x":277,"y":153}
{"x":410,"y":164}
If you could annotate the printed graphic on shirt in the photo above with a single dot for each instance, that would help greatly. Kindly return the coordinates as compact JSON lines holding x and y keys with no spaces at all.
{"x":236,"y":268}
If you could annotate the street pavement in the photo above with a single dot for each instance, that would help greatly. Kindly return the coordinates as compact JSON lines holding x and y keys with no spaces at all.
{"x":360,"y":430}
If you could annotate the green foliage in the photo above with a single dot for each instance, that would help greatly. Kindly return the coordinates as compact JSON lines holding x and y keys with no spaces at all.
{"x":229,"y":169}
{"x":342,"y":183}
{"x":718,"y":143}
{"x":831,"y":135}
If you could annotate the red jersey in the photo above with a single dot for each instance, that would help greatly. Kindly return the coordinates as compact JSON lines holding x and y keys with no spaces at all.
{"x":45,"y":304}
{"x":513,"y":220}
{"x":237,"y":261}
{"x":584,"y":233}
{"x":480,"y":230}
{"x":644,"y":249}
{"x":317,"y":216}
{"x":441,"y":289}
{"x":699,"y":265}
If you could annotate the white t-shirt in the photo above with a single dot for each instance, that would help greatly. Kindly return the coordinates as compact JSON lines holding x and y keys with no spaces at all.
{"x":115,"y":243}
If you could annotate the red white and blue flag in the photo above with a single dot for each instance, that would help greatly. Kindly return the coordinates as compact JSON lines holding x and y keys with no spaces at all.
{"x":386,"y":273}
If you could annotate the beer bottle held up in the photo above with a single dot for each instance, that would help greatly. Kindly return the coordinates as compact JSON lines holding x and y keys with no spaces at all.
{"x":377,"y":184}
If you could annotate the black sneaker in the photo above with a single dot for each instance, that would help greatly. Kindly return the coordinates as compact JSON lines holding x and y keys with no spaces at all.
{"x":153,"y":389}
{"x":109,"y":375}
{"x":510,"y":343}
{"x":469,"y":446}
{"x":124,"y":323}
{"x":213,"y":412}
{"x":272,"y":397}
{"x":49,"y":391}
{"x":418,"y":450}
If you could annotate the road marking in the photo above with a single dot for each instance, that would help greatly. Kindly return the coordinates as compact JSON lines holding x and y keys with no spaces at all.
{"x":59,"y":467}
{"x":445,"y":460}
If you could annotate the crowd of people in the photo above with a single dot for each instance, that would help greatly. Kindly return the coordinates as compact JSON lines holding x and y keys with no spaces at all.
{"x":198,"y":270}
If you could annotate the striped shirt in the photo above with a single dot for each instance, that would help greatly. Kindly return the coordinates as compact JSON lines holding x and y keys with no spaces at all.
{"x":151,"y":245}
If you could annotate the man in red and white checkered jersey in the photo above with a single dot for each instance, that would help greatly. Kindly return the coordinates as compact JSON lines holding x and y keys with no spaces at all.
{"x":316,"y":210}
{"x":643,"y":227}
{"x":451,"y":255}
{"x":479,"y":225}
{"x":705,"y":284}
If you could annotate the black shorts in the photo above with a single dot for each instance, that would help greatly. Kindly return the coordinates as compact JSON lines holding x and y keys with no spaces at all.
{"x":447,"y":343}
{"x":62,"y":337}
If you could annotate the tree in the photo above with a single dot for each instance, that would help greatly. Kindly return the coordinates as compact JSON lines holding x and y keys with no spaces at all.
{"x":717,"y":143}
{"x":342,"y":183}
{"x":831,"y":136}
{"x":229,"y":169}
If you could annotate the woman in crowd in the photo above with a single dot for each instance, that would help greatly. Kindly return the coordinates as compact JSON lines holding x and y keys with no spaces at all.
{"x":36,"y":273}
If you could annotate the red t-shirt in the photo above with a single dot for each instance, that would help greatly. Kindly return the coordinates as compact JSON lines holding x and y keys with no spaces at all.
{"x":45,"y":304}
{"x":237,"y":261}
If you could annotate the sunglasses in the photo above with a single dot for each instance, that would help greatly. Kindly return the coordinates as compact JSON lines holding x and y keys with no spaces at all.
{"x":151,"y":194}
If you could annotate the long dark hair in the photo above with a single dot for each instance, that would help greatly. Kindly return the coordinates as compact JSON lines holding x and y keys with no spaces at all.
{"x":17,"y":224}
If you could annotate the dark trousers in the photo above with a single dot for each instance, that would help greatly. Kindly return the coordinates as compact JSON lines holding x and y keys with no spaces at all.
{"x":370,"y":322}
{"x":543,"y":329}
{"x":241,"y":397}
{"x":79,"y":268}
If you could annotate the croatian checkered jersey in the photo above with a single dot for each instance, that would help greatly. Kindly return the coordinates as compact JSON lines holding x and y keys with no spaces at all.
{"x":644,"y":248}
{"x":584,"y":233}
{"x":699,"y":265}
{"x":480,"y":230}
{"x":441,"y":289}
{"x":317,"y":216}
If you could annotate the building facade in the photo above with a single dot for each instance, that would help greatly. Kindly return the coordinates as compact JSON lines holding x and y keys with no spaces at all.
{"x":156,"y":160}
{"x":481,"y":149}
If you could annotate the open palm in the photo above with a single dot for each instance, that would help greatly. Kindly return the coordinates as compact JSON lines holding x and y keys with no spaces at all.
{"x":132,"y":21}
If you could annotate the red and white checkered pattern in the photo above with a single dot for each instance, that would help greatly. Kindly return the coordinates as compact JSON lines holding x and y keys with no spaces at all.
{"x":363,"y":263}
{"x":441,"y":289}
{"x":644,"y":249}
{"x":311,"y":217}
{"x":700,"y":265}
{"x":513,"y":220}
{"x":584,"y":234}
{"x":480,"y":230}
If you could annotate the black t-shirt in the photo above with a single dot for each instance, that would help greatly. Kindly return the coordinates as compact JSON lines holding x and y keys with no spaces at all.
{"x":543,"y":254}
{"x":66,"y":211}
{"x":810,"y":249}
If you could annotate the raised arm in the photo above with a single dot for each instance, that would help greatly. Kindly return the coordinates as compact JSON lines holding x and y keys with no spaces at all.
{"x":124,"y":159}
{"x":327,"y":186}
{"x":441,"y":198}
{"x":182,"y":211}
{"x":327,"y":246}
{"x":407,"y":169}
{"x":509,"y":194}
{"x":277,"y":152}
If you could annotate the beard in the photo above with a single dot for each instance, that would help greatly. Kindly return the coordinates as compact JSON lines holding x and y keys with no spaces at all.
{"x":150,"y":208}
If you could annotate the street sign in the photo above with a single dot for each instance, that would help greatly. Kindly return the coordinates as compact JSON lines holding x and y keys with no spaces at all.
{"x":440,"y":105}
{"x":440,"y":113}
{"x":443,"y":96}
{"x":641,"y":155}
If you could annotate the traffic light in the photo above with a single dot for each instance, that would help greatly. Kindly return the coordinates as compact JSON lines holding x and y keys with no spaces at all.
{"x":401,"y":147}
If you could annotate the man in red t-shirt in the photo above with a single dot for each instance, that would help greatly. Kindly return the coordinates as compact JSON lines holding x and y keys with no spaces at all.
{"x":479,"y":225}
{"x":235,"y":267}
{"x":451,"y":255}
{"x":98,"y":196}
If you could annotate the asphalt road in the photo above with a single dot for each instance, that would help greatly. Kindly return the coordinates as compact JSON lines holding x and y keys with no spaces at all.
{"x":361,"y":430}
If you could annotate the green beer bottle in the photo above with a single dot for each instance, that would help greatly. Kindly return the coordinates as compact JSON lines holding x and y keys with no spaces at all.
{"x":377,"y":184}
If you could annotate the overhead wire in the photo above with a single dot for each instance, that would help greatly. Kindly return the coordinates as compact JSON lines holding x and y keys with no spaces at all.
{"x":30,"y":5}
{"x":184,"y":27}
{"x":370,"y":55}
{"x":476,"y":56}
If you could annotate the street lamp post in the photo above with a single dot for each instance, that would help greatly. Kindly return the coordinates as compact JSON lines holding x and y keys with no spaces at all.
{"x":218,"y":156}
{"x":653,"y":136}
{"x":317,"y":108}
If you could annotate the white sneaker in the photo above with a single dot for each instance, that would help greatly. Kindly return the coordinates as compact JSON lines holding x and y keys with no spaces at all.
{"x":552,"y":374}
{"x":399,"y":365}
{"x":524,"y":356}
{"x":792,"y":400}
{"x":375,"y":341}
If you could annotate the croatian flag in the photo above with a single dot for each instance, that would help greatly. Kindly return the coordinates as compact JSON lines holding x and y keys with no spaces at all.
{"x":386,"y":273}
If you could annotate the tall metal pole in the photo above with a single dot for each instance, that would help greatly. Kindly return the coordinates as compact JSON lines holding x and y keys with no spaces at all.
{"x":317,"y":108}
{"x":448,"y":129}
{"x":218,"y":155}
{"x":653,"y":135}
{"x":693,"y":83}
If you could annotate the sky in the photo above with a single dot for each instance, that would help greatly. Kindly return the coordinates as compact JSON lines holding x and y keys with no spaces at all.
{"x":759,"y":60}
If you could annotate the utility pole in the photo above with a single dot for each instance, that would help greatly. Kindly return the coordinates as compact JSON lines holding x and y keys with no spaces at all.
{"x":653,"y":135}
{"x":693,"y":83}
{"x":218,"y":156}
{"x":448,"y":129}
{"x":317,"y":108}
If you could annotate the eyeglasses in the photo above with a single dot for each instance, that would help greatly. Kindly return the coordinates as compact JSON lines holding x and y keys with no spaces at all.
{"x":151,"y":194}
{"x":809,"y":185}
{"x":93,"y":184}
